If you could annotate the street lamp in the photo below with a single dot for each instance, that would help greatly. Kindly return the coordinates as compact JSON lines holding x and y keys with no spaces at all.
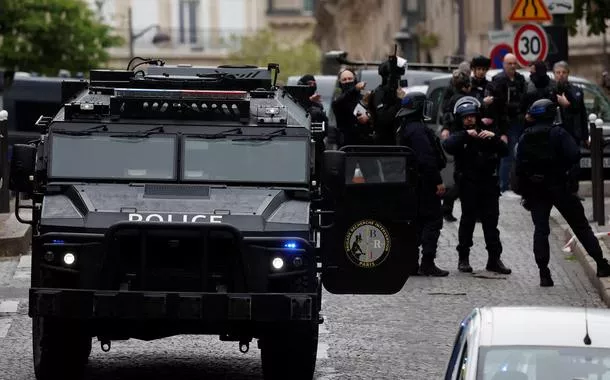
{"x":158,"y":38}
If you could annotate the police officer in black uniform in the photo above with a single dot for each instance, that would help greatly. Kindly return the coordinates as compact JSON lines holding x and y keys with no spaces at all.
{"x":462,"y":86}
{"x":384,"y":103}
{"x":477,"y":149}
{"x":414,"y":133}
{"x":545,"y":154}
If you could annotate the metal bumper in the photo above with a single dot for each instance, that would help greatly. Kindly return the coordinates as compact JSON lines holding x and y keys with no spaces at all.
{"x":130,"y":305}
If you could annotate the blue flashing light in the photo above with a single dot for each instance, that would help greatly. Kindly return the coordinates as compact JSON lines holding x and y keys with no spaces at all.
{"x":56,"y":241}
{"x":290,"y":245}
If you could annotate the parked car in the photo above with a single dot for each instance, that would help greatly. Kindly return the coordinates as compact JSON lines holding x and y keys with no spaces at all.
{"x":531,"y":343}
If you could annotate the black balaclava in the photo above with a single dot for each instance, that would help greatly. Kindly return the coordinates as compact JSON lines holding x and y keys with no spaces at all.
{"x":308,"y":78}
{"x":348,"y":85}
{"x":539,"y":76}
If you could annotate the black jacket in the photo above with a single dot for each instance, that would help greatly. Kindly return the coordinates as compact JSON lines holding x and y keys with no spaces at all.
{"x":476,"y":159}
{"x":383,"y":106}
{"x":350,"y":132}
{"x":566,"y":150}
{"x":574,"y":117}
{"x":413,"y":135}
{"x":509,"y":97}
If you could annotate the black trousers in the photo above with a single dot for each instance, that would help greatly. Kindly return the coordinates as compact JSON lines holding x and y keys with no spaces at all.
{"x":479,"y":200}
{"x":540,"y":204}
{"x":449,"y":198}
{"x":429,"y":224}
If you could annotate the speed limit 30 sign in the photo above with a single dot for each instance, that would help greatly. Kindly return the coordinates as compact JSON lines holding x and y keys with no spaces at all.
{"x":530,"y":44}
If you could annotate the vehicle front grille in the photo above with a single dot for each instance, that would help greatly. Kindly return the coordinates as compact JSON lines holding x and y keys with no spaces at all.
{"x":174,"y":259}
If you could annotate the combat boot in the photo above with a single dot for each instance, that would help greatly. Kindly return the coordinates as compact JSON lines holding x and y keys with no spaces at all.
{"x":496,"y":265}
{"x":429,"y":268}
{"x":545,"y":278}
{"x":464,"y":265}
{"x":603,"y":268}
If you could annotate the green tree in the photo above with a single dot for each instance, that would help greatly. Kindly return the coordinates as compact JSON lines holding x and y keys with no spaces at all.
{"x":265,"y":47}
{"x":48,"y":35}
{"x":596,"y":13}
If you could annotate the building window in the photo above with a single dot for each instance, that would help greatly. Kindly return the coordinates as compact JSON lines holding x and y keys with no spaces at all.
{"x":309,"y":6}
{"x":188,"y":14}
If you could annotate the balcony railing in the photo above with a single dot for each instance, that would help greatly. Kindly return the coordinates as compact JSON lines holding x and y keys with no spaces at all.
{"x":199,"y":40}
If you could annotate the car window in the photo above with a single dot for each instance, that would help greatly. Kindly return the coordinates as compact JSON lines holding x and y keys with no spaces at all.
{"x":595,"y":101}
{"x":436,"y":97}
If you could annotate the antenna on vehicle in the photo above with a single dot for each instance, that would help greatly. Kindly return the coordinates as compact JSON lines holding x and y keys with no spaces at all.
{"x":587,"y":339}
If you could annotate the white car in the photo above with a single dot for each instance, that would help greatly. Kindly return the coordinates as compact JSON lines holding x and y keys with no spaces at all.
{"x":532,"y":343}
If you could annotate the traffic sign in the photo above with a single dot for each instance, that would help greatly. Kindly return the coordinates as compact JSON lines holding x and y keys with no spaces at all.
{"x":530,"y":10}
{"x":560,"y":7}
{"x":530,"y":44}
{"x":497,"y":54}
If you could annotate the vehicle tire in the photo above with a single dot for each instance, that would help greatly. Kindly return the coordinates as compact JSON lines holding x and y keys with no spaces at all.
{"x":61,"y":348}
{"x":290,"y":353}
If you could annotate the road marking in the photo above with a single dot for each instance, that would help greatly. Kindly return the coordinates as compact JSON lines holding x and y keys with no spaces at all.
{"x":5,"y":325}
{"x":7,"y":307}
{"x":322,"y":351}
{"x":25,"y":261}
{"x":24,"y":268}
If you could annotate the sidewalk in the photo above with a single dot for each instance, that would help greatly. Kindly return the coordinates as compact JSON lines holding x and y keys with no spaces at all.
{"x":574,"y":247}
{"x":15,"y":237}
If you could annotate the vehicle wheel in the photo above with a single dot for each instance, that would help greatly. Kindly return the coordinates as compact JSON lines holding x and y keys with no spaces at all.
{"x":61,"y":349}
{"x":290,"y":353}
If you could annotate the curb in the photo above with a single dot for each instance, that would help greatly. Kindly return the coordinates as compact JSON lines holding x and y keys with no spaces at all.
{"x":602,"y":284}
{"x":15,"y":237}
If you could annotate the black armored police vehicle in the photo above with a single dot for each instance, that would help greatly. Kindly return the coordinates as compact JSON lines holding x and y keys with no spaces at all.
{"x":196,"y":200}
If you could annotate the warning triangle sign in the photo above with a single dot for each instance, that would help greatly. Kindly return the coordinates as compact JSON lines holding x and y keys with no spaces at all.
{"x":530,"y":10}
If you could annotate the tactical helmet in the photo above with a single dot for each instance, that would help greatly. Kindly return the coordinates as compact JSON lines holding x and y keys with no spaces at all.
{"x":414,"y":103}
{"x":480,"y":61}
{"x":384,"y":70}
{"x":466,"y":109}
{"x":543,"y":110}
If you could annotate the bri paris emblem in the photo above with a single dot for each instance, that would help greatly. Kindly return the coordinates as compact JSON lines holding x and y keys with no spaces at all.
{"x":367,"y":243}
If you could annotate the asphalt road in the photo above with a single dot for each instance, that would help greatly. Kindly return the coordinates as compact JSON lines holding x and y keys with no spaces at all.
{"x":403,"y":336}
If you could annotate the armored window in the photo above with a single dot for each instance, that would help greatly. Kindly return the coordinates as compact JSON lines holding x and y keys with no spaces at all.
{"x":106,"y":157}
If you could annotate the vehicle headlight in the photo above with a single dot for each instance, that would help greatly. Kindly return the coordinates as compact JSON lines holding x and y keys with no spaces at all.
{"x":69,"y":258}
{"x":277,"y":263}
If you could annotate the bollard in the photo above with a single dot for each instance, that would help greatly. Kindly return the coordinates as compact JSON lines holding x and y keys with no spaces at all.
{"x":593,"y":150}
{"x":597,"y":172}
{"x":4,"y":164}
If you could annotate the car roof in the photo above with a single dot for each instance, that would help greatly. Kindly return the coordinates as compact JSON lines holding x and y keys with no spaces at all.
{"x":543,"y":326}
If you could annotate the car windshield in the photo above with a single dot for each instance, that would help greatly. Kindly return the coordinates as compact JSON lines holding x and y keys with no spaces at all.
{"x":542,"y":363}
{"x":276,"y":160}
{"x":101,"y":156}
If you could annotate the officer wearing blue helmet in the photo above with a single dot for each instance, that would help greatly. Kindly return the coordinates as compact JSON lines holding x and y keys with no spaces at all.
{"x":544,"y":156}
{"x":477,"y":149}
{"x":413,"y":133}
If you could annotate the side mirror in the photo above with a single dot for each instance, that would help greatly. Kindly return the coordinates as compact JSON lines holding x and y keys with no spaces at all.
{"x":23,"y":165}
{"x":334,"y":169}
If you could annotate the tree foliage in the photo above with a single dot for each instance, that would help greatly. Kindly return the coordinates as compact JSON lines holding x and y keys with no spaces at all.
{"x":266,"y":47}
{"x":595,"y":12}
{"x":48,"y":35}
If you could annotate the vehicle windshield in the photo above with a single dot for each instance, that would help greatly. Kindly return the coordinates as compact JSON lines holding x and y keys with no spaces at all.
{"x":101,"y":156}
{"x":277,"y":160}
{"x":542,"y":363}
